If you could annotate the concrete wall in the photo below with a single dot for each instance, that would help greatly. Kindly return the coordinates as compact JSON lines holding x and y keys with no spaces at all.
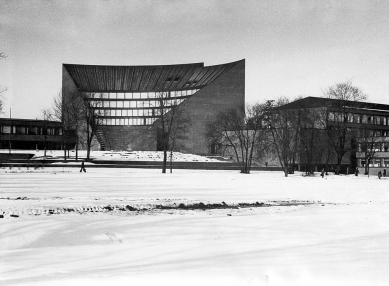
{"x":137,"y":138}
{"x":227,"y":91}
{"x":68,"y":85}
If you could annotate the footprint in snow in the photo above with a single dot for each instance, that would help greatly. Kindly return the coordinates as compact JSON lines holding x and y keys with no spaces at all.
{"x":112,"y":237}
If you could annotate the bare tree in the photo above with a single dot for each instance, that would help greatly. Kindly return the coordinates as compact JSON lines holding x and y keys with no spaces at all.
{"x":67,"y":109}
{"x":178,"y":132}
{"x":2,"y":89}
{"x":47,"y":115}
{"x":92,"y":117}
{"x":173,"y":124}
{"x":339,"y":131}
{"x":369,"y":142}
{"x":311,"y":139}
{"x":284,"y":126}
{"x":241,"y":130}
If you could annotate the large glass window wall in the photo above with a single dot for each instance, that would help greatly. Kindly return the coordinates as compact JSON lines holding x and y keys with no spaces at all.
{"x":135,"y":108}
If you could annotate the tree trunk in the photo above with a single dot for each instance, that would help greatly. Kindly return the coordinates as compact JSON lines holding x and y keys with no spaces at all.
{"x":45,"y":145}
{"x":171,"y":161}
{"x":76,"y":147}
{"x":164,"y":161}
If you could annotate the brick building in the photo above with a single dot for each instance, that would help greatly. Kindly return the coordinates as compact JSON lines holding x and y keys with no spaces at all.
{"x":368,"y":125}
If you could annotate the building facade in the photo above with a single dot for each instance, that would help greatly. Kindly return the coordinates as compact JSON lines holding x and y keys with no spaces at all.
{"x":126,"y":99}
{"x":367,"y":125}
{"x":30,"y":134}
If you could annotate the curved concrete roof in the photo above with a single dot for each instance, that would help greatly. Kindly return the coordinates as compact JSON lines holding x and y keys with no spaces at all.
{"x":94,"y":78}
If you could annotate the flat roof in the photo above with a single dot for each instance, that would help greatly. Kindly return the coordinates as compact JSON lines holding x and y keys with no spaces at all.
{"x":312,"y":102}
{"x":40,"y":122}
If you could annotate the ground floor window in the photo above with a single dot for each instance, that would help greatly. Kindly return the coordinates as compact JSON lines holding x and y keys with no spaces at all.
{"x":377,"y":163}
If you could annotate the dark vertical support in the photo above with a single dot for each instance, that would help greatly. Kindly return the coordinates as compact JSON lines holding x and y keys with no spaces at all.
{"x":10,"y":131}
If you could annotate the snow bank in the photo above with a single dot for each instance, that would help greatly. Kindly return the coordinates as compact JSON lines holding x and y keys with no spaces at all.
{"x":153,"y":156}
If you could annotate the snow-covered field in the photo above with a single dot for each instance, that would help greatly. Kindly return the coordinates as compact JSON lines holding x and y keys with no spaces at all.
{"x":340,"y":239}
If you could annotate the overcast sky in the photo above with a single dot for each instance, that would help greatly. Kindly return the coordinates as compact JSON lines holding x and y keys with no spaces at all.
{"x":291,"y":47}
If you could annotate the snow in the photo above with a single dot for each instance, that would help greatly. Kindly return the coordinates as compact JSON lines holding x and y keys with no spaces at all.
{"x":153,"y":156}
{"x":340,"y":238}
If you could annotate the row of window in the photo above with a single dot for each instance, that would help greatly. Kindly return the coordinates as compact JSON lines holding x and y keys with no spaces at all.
{"x":128,"y":121}
{"x":136,"y":104}
{"x":28,"y":130}
{"x":142,"y":95}
{"x":376,"y":147}
{"x":373,"y":133}
{"x":380,"y":163}
{"x":130,"y":113}
{"x":359,"y":118}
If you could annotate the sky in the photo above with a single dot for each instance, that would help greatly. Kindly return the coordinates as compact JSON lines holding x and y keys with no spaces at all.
{"x":291,"y":47}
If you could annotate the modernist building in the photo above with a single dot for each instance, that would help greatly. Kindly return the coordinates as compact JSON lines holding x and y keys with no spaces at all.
{"x":369,"y":123}
{"x":127,"y":99}
{"x":30,"y":134}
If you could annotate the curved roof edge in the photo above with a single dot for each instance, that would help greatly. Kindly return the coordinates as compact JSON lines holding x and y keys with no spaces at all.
{"x":102,"y":78}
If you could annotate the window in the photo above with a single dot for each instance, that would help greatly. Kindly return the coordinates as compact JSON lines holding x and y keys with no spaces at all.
{"x":20,"y":130}
{"x":51,"y":131}
{"x":377,"y":163}
{"x":364,"y":119}
{"x":357,"y":118}
{"x":386,"y":162}
{"x":33,"y":130}
{"x":5,"y":129}
{"x":377,"y":147}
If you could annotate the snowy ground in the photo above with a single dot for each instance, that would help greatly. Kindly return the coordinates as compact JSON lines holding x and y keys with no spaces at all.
{"x":115,"y":155}
{"x":340,"y":239}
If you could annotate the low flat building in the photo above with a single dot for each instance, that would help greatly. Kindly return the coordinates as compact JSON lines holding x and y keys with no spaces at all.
{"x":31,"y":134}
